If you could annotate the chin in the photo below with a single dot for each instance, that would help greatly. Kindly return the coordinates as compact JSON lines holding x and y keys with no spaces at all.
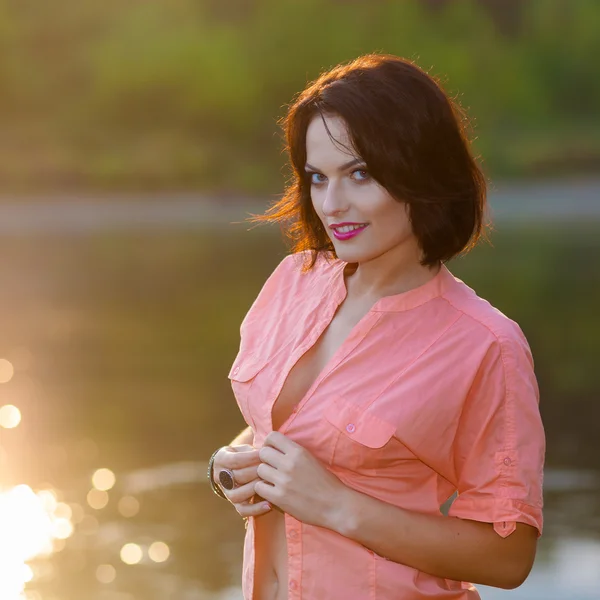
{"x":350,"y":256}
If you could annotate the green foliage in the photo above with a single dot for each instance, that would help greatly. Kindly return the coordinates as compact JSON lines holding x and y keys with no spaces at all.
{"x":178,"y":93}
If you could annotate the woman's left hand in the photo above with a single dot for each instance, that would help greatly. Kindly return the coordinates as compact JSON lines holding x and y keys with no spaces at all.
{"x":296,"y":482}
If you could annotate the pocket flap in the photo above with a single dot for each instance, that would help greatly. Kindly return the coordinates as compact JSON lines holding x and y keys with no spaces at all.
{"x":245,"y":368}
{"x":359,"y":425}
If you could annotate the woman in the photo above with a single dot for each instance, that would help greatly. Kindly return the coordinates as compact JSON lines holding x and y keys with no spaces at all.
{"x":374,"y":383}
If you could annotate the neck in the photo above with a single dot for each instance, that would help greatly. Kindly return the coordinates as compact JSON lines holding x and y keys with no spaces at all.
{"x":373,"y":279}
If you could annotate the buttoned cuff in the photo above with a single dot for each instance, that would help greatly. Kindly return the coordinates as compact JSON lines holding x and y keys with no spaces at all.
{"x":504,"y":513}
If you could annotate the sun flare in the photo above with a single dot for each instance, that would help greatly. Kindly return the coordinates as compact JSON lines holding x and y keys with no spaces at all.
{"x":30,"y":524}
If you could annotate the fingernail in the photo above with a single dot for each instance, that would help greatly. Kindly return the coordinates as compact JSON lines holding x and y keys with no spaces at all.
{"x":266,"y":505}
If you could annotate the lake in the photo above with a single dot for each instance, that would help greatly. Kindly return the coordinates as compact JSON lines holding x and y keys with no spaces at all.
{"x":117,"y":337}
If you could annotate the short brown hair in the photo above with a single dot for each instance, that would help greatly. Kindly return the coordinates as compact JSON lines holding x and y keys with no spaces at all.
{"x":413,"y":139}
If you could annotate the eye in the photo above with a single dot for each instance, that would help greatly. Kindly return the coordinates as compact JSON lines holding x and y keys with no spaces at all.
{"x":364,"y":175}
{"x":314,"y":177}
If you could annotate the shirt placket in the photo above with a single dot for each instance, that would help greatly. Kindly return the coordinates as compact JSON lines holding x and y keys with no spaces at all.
{"x":354,"y":338}
{"x":293,"y":534}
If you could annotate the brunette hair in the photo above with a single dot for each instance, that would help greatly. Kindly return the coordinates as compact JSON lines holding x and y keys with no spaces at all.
{"x":413,"y":139}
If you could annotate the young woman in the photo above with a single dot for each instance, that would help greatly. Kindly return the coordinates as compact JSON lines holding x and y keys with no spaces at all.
{"x":374,"y":383}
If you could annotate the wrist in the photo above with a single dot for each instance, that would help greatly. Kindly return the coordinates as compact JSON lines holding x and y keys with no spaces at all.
{"x":214,"y":484}
{"x":342,"y":516}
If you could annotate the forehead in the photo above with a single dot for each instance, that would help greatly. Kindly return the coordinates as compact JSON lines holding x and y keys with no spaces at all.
{"x":321,"y":150}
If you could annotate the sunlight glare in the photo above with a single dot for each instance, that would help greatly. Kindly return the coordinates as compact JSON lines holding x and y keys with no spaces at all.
{"x":103,"y":479}
{"x":10,"y":416}
{"x":131,"y":554}
{"x":29,"y":526}
{"x":62,"y":529}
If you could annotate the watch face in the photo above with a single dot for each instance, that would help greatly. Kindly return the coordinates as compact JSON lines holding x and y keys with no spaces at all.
{"x":226,"y":479}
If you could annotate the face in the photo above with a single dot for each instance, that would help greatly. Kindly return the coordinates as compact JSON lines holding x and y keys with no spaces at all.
{"x":343,"y":191}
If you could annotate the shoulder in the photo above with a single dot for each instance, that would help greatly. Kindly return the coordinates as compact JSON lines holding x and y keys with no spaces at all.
{"x":502,"y":380}
{"x":291,"y":269}
{"x":481,"y":315}
{"x":482,"y":324}
{"x":288,"y":283}
{"x":483,"y":358}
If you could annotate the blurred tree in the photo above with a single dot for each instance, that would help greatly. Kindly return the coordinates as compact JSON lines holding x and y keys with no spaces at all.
{"x":186,"y":94}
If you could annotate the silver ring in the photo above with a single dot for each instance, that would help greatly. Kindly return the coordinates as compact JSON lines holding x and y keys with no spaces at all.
{"x":226,"y":479}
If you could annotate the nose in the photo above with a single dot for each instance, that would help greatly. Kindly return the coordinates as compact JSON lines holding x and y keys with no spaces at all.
{"x":334,"y":201}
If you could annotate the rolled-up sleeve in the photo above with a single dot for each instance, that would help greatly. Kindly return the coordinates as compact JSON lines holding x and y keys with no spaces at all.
{"x":500,"y":443}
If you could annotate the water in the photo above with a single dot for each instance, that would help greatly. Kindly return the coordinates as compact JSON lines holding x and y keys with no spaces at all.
{"x":117,"y":342}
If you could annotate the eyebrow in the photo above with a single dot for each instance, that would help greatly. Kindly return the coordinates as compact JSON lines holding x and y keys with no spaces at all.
{"x":343,"y":167}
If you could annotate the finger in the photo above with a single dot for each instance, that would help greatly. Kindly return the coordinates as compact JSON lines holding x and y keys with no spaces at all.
{"x":278,"y":440}
{"x":271,"y":456}
{"x":268,"y":473}
{"x":268,"y":491}
{"x":241,"y":493}
{"x":239,"y":460}
{"x":243,"y":476}
{"x":241,"y":448}
{"x":245,"y":509}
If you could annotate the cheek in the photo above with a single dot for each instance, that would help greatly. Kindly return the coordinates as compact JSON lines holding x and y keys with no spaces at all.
{"x":391,"y":216}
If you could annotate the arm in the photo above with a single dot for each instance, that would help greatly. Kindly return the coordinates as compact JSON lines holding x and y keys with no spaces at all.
{"x":242,"y":458}
{"x":496,"y":460}
{"x":448,"y":547}
{"x":490,"y":533}
{"x":245,"y":437}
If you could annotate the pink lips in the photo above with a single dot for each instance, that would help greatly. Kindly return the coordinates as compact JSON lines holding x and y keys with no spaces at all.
{"x":350,"y":234}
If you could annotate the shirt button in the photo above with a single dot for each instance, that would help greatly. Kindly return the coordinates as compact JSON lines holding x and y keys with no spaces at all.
{"x":293,"y":584}
{"x":507,"y":461}
{"x":350,"y":428}
{"x":294,"y":534}
{"x":236,"y":370}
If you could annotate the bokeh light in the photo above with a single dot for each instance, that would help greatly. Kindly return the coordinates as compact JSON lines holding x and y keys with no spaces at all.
{"x":63,"y":510}
{"x":103,"y":479}
{"x":10,"y":416}
{"x":131,"y":554}
{"x":48,"y":500}
{"x":28,"y":528}
{"x":6,"y":370}
{"x":26,"y":573}
{"x":128,"y":506}
{"x":97,"y":499}
{"x":106,"y":573}
{"x":159,"y":552}
{"x":62,"y":529}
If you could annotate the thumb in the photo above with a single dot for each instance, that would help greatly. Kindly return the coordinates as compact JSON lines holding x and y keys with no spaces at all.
{"x":242,"y":448}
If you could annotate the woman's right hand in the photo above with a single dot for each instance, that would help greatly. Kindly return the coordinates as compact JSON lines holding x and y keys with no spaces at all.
{"x":243,"y":460}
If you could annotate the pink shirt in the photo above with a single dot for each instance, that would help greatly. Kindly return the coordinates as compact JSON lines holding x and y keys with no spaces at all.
{"x":432,"y":392}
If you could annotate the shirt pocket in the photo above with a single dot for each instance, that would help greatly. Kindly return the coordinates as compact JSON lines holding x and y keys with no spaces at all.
{"x":242,"y":374}
{"x":362,"y":439}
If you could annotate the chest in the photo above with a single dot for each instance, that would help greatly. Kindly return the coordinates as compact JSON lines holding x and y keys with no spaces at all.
{"x":309,"y":366}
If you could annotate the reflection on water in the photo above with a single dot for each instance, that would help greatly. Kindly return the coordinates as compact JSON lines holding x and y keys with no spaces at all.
{"x":32,"y":525}
{"x":113,"y":393}
{"x":572,"y":571}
